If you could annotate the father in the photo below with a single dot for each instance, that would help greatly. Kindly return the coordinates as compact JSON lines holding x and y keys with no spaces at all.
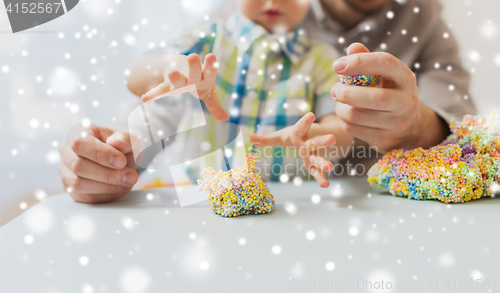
{"x":424,"y":86}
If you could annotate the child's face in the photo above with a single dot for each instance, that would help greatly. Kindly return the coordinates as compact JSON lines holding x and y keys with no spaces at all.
{"x":275,"y":15}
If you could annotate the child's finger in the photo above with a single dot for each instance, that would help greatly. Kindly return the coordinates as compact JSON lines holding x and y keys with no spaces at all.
{"x":194,"y":68}
{"x":156,"y":93}
{"x":321,"y":163}
{"x":299,"y":132}
{"x":210,"y":69}
{"x":177,"y":79}
{"x":320,"y":142}
{"x":319,"y":176}
{"x":301,"y":128}
{"x":270,"y":139}
{"x":214,"y":107}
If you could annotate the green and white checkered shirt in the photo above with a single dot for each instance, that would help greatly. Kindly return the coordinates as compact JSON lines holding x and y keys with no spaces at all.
{"x":265,"y":82}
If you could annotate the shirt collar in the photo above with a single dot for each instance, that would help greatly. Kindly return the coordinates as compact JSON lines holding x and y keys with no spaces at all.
{"x":244,"y":33}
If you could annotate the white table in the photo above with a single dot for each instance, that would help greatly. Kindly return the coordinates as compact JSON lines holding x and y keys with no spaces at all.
{"x":147,"y":243}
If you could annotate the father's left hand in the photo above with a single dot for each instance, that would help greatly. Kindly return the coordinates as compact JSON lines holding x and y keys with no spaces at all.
{"x":388,"y":116}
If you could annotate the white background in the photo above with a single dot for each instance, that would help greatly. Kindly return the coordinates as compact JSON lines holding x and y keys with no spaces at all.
{"x":77,"y":72}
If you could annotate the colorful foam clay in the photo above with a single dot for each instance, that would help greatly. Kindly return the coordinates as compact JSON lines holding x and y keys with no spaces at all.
{"x":464,"y":167}
{"x":238,"y":191}
{"x":360,"y":80}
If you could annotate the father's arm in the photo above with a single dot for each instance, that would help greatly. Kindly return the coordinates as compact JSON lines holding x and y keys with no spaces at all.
{"x":442,"y":81}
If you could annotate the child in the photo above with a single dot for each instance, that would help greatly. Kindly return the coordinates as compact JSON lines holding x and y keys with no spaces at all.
{"x":268,"y":74}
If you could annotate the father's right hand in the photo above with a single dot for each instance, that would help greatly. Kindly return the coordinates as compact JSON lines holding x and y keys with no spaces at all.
{"x":96,"y":164}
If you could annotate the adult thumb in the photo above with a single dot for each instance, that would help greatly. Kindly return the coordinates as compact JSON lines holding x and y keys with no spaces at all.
{"x":356,"y":48}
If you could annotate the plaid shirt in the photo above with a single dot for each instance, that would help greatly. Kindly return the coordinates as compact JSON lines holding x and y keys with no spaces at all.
{"x":265,"y":81}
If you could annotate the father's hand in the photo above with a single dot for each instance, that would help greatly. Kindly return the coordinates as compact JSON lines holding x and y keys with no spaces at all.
{"x":391,"y":115}
{"x":96,"y":164}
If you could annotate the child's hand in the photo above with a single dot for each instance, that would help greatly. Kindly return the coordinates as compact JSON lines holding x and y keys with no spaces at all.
{"x":303,"y":138}
{"x":202,"y":77}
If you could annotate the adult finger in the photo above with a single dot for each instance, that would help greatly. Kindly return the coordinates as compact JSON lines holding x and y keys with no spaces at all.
{"x":368,"y":118}
{"x":382,"y":99}
{"x":214,"y":106}
{"x":375,"y":137}
{"x":84,"y":185}
{"x":101,"y":133}
{"x":90,"y":170}
{"x":377,"y":63}
{"x":82,"y":167}
{"x":194,"y":64}
{"x":177,"y":79}
{"x":210,"y":69}
{"x":157,"y":92}
{"x":357,"y":48}
{"x":321,"y":163}
{"x":91,"y":198}
{"x":85,"y":144}
{"x":120,"y":141}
